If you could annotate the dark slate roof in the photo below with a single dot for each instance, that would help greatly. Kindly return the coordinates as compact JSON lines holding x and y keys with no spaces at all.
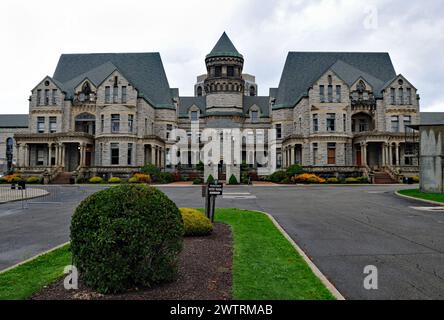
{"x":261,"y":102}
{"x":185,"y":103}
{"x":302,"y":69}
{"x":431,"y":118}
{"x":224,"y":48}
{"x":13,"y":120}
{"x":143,"y":70}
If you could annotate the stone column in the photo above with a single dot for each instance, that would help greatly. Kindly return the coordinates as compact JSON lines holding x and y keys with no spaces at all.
{"x":62,"y":155}
{"x":292,"y":159}
{"x":26,"y":156}
{"x":153,"y":155}
{"x":18,"y":157}
{"x":364,"y":153}
{"x":383,"y":148}
{"x":162,"y":157}
{"x":49,"y":154}
{"x":397,"y":153}
{"x":83,"y":154}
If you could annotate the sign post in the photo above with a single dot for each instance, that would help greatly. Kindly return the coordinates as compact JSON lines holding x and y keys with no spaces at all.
{"x":211,"y":191}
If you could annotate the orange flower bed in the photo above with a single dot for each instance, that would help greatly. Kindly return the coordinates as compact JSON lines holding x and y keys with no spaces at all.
{"x":141,"y":177}
{"x":12,"y":178}
{"x":307,"y":178}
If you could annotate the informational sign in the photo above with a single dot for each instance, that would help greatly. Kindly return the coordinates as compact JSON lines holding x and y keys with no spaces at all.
{"x":215,"y":189}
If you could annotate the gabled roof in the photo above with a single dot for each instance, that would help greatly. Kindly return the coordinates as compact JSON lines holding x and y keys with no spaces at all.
{"x":350,"y":75}
{"x":224,"y":48}
{"x":302,"y":69}
{"x":389,"y":82}
{"x":185,"y":103}
{"x":143,"y":70}
{"x":13,"y":120}
{"x":261,"y":102}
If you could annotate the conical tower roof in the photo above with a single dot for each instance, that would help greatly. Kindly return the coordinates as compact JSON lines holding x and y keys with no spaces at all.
{"x":224,"y":48}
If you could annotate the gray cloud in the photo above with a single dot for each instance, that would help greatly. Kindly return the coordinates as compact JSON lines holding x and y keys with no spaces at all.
{"x":37,"y":32}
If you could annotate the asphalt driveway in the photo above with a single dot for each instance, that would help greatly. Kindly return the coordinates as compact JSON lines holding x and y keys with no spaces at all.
{"x":341,"y":228}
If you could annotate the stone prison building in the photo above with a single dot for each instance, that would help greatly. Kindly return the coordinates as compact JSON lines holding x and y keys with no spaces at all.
{"x":108,"y":114}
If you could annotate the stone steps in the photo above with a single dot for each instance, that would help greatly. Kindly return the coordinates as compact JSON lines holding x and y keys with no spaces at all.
{"x":62,"y":178}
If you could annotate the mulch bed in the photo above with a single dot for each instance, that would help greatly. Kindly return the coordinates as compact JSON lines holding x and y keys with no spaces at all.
{"x":204,"y":274}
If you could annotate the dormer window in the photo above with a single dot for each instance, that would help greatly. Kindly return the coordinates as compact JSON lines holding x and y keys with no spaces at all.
{"x":252,"y":91}
{"x":199,"y":91}
{"x":194,"y":115}
{"x":254,"y":116}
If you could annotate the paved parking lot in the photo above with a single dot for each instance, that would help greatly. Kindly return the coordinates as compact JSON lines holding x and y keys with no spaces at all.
{"x":341,"y":228}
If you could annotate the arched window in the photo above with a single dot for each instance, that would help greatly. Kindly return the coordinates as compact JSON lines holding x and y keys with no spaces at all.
{"x":199,"y":91}
{"x":252,"y":91}
{"x":9,"y":152}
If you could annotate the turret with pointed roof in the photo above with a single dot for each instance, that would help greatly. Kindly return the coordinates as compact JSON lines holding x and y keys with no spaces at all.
{"x":224,"y":68}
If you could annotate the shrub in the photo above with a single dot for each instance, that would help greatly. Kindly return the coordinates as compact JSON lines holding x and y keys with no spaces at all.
{"x":333,"y":180}
{"x":233,"y":180}
{"x":278,"y":176}
{"x":415,"y":179}
{"x":362,"y":179}
{"x":165,"y":177}
{"x":96,"y":180}
{"x":195,"y":222}
{"x":210,"y":179}
{"x":133,"y":180}
{"x":126,"y":236}
{"x":287,"y":180}
{"x":33,"y":180}
{"x":308,"y":178}
{"x":351,"y":180}
{"x":151,"y":170}
{"x":10,"y":178}
{"x":294,"y":170}
{"x":142,"y":177}
{"x":197,"y":181}
{"x":200,"y":166}
{"x":114,"y":180}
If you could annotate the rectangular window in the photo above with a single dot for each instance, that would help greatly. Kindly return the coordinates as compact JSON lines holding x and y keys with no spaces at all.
{"x":395,"y":124}
{"x":315,"y":153}
{"x":40,"y":156}
{"x":338,"y":93}
{"x":107,"y":94}
{"x":401,"y":96}
{"x":46,"y":97}
{"x":39,"y":97}
{"x":300,"y":125}
{"x":123,"y":94}
{"x":114,"y":153}
{"x":331,"y":153}
{"x":52,"y":124}
{"x":330,"y":93}
{"x":168,"y":131}
{"x":365,"y":95}
{"x":344,"y":122}
{"x":115,"y":94}
{"x":407,"y":121}
{"x":321,"y":93}
{"x":363,"y":125}
{"x":392,"y":96}
{"x":130,"y":123}
{"x":146,"y":126}
{"x":331,"y":119}
{"x":230,"y":71}
{"x":278,"y":131}
{"x":194,"y":116}
{"x":218,"y":71}
{"x":102,"y":123}
{"x":254,"y":116}
{"x":54,"y":96}
{"x":409,"y":96}
{"x":40,"y":124}
{"x":130,"y":154}
{"x":115,"y":123}
{"x":315,"y":123}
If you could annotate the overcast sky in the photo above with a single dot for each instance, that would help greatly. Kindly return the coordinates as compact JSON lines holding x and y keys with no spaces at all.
{"x":35,"y":33}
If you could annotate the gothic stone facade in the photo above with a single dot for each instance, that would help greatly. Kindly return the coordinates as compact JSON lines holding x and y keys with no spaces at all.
{"x":112,"y":113}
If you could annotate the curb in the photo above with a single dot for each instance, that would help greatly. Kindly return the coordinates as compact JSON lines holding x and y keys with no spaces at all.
{"x":419,"y":199}
{"x":330,"y":287}
{"x":33,"y":258}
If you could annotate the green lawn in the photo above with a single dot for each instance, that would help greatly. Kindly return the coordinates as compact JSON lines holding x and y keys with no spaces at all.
{"x":26,"y":279}
{"x":438,"y":197}
{"x":265,"y":266}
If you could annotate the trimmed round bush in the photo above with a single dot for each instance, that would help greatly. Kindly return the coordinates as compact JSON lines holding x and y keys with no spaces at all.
{"x":294,"y":170}
{"x":333,"y":180}
{"x":210,"y":179}
{"x":96,"y":180}
{"x":278,"y":176}
{"x":133,"y":180}
{"x":126,"y":236}
{"x":195,"y":222}
{"x":352,"y":180}
{"x":114,"y":180}
{"x":415,"y":179}
{"x":233,"y":180}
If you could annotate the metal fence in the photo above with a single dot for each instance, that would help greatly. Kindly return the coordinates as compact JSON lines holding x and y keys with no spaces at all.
{"x":30,"y":195}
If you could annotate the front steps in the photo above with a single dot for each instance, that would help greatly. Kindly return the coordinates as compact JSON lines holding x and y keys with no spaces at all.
{"x":62,"y":178}
{"x":383,"y":178}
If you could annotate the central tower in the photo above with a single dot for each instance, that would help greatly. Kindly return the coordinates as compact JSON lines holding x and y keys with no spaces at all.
{"x":224,"y":85}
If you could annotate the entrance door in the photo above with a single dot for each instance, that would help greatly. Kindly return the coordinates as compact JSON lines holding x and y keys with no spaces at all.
{"x":358,"y":158}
